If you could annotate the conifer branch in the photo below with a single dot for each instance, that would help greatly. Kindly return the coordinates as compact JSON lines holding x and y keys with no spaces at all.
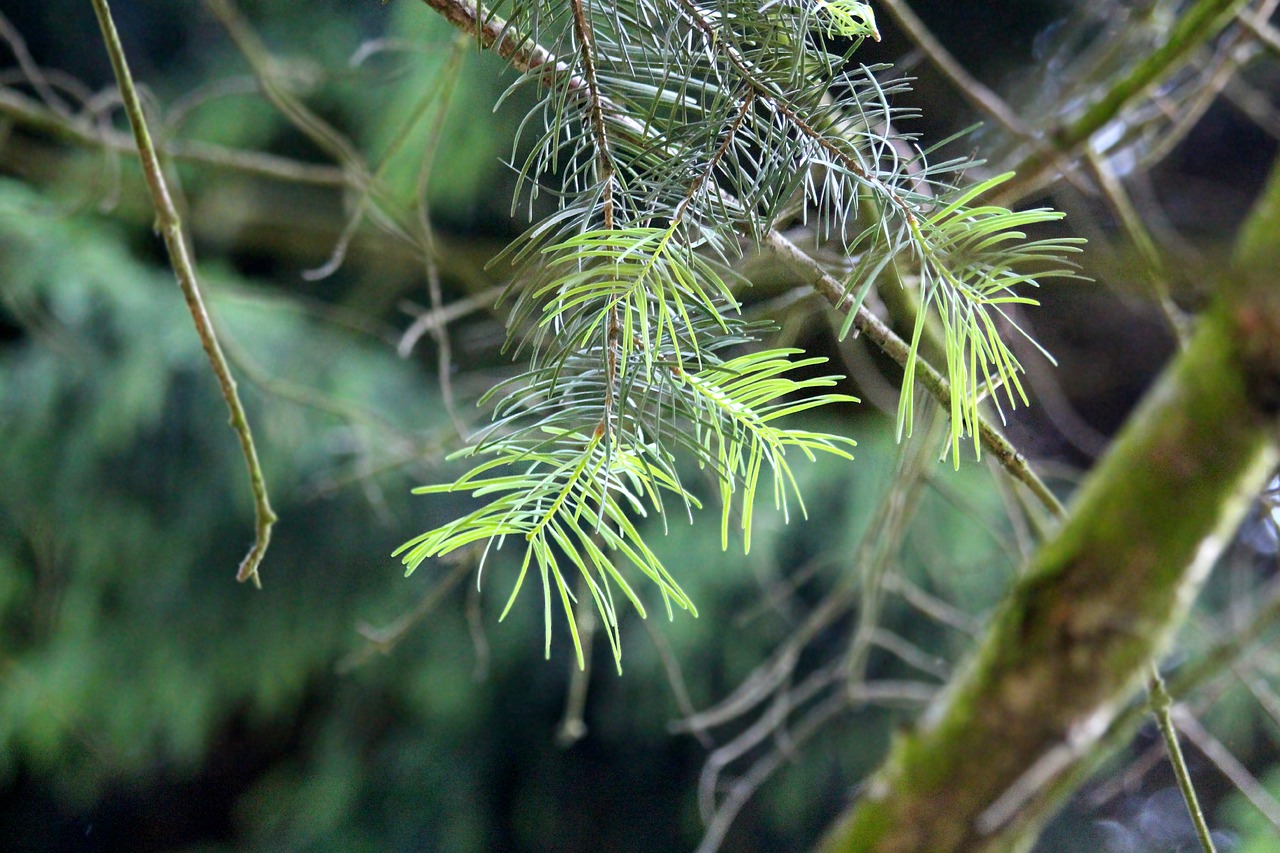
{"x":526,"y":55}
{"x":720,"y":41}
{"x":621,"y":300}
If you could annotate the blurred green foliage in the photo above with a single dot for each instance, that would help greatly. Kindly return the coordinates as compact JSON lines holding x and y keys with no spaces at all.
{"x":125,"y":498}
{"x":132,"y":662}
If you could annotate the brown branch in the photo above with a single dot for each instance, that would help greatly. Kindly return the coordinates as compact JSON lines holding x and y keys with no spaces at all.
{"x":606,"y":173}
{"x":604,"y":160}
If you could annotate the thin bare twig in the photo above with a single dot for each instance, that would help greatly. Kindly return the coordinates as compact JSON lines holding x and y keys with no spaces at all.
{"x":969,"y":86}
{"x":170,"y":227}
{"x":1214,"y":750}
{"x":384,"y":640}
{"x":321,"y":133}
{"x":1221,"y":70}
{"x":1161,"y":703}
{"x":429,"y":320}
{"x":444,"y":347}
{"x":742,"y":789}
{"x":31,"y":72}
{"x":675,"y":679}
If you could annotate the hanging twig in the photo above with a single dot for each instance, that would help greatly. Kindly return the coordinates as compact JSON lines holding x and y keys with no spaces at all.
{"x":170,"y":226}
{"x":426,"y":236}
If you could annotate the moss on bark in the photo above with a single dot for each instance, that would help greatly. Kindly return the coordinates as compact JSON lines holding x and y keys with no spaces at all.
{"x":1069,"y":647}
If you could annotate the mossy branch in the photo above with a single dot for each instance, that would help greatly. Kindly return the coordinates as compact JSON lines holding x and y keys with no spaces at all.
{"x":987,"y":764}
{"x":169,"y":224}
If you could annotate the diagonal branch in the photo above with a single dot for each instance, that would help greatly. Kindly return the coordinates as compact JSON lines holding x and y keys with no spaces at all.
{"x":992,"y":760}
{"x":1199,"y":24}
{"x":170,"y":226}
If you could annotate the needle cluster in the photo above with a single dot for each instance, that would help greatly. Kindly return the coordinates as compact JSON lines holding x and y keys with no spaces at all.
{"x":673,"y":133}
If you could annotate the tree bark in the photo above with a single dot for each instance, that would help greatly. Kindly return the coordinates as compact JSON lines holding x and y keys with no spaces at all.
{"x":986,"y":766}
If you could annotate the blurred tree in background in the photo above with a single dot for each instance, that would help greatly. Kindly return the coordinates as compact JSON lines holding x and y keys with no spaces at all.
{"x":147,"y":702}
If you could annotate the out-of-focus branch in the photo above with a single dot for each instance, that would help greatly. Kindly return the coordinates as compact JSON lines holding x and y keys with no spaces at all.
{"x":1220,"y":756}
{"x":1198,"y":25}
{"x":1265,"y":33}
{"x":169,"y":225}
{"x":970,"y":87}
{"x":32,"y":115}
{"x":1153,"y":265}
